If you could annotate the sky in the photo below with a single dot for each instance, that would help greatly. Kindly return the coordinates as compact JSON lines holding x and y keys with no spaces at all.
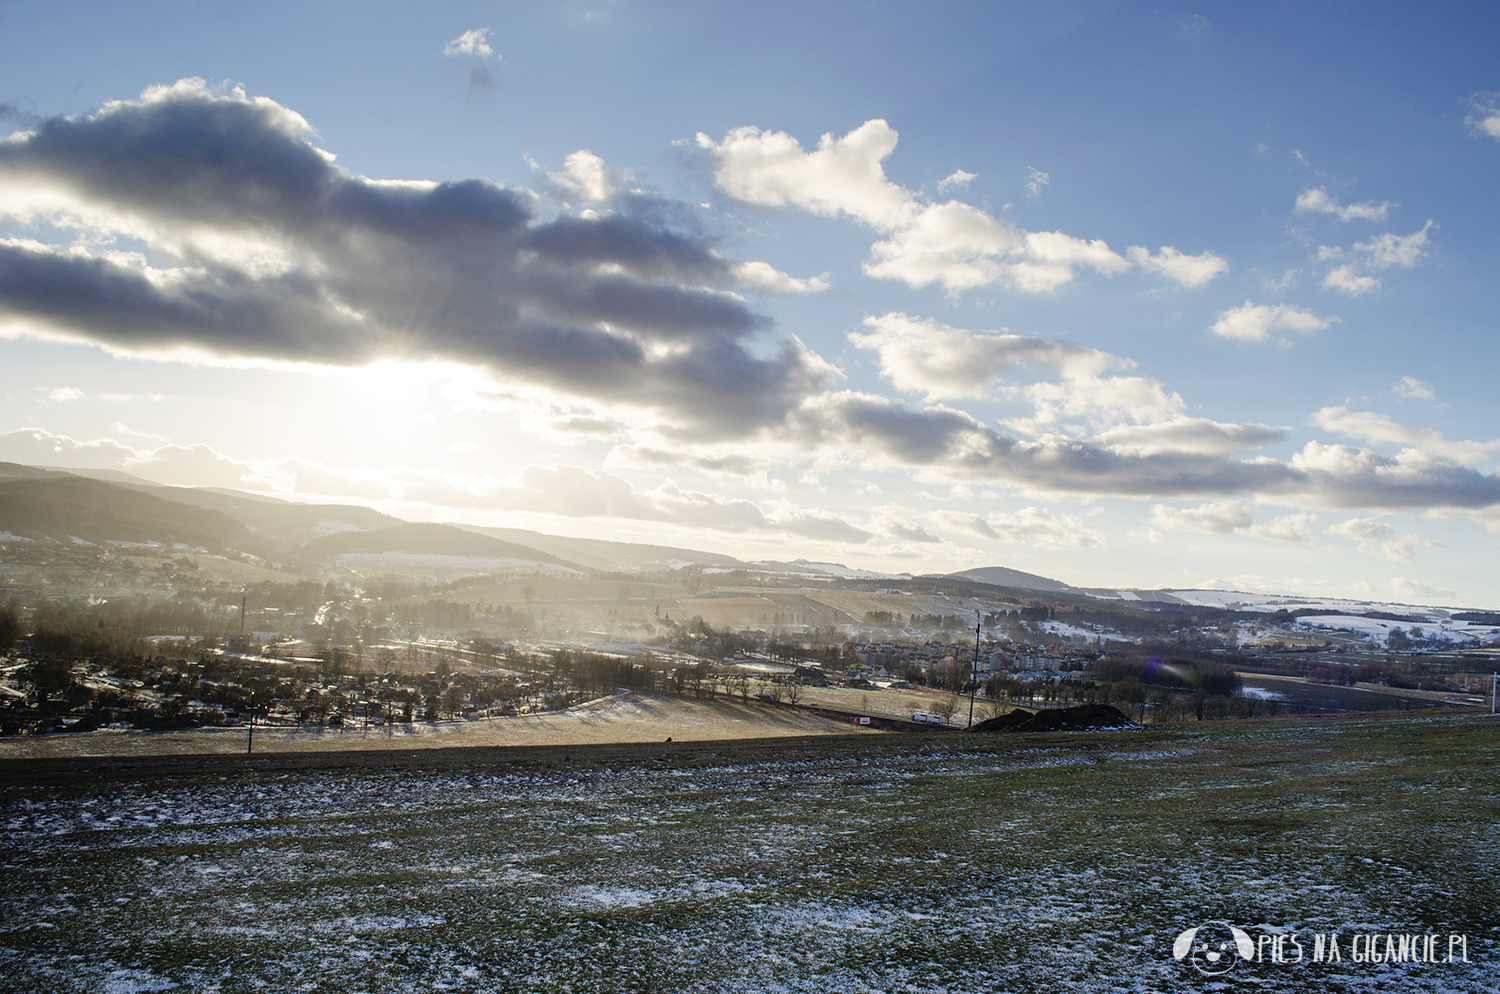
{"x":1128,"y":295}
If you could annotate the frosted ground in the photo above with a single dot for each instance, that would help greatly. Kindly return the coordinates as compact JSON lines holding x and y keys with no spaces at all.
{"x":879,"y":864}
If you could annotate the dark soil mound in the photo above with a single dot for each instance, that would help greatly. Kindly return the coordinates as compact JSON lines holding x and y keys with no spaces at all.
{"x":1004,"y":722}
{"x":1082,"y":718}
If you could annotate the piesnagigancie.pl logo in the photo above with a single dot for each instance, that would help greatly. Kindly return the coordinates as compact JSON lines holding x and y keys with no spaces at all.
{"x":1216,"y":947}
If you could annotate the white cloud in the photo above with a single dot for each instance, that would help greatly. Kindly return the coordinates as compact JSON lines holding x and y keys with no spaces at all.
{"x":1489,"y":517}
{"x":1376,"y":537}
{"x":953,"y":244}
{"x":1183,"y":434}
{"x":583,"y":178}
{"x":1289,"y":528}
{"x":1034,"y":526}
{"x":1378,"y":428}
{"x":38,"y":447}
{"x":844,"y":175}
{"x":65,"y":394}
{"x":1485,"y":118}
{"x":925,"y":356}
{"x":1232,"y":516}
{"x":762,"y":276}
{"x":940,"y":361}
{"x":1315,"y":200}
{"x":1379,"y":253}
{"x":1255,"y":322}
{"x":894,"y":524}
{"x":1412,"y":388}
{"x":1346,"y":280}
{"x":1387,"y":250}
{"x":475,"y":43}
{"x":1101,"y":399}
{"x":1216,"y":518}
{"x":120,"y":428}
{"x":1189,"y":270}
{"x":961,"y":247}
{"x":1416,"y":588}
{"x":1036,"y":181}
{"x":957,"y":180}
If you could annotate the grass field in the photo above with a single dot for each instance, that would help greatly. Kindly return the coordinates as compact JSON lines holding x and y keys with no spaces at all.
{"x":857,"y":863}
{"x":625,"y":717}
{"x":1299,"y":696}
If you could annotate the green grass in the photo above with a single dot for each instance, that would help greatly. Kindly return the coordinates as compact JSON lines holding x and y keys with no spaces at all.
{"x":875,"y":863}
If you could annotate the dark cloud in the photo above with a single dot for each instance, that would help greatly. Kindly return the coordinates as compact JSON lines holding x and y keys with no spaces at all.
{"x":12,"y":112}
{"x":283,"y":255}
{"x":961,"y":447}
{"x":480,"y":77}
{"x":908,"y":532}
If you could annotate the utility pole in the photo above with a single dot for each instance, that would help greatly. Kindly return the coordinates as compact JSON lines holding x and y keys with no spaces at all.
{"x":974,"y":669}
{"x":1494,"y":685}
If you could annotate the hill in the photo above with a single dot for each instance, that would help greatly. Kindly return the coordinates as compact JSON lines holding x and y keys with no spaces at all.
{"x":280,"y":521}
{"x":273,"y":520}
{"x":602,"y":554}
{"x":1002,"y":576}
{"x":64,"y":507}
{"x":422,"y":540}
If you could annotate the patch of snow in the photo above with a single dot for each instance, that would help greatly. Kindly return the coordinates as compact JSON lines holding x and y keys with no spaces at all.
{"x":333,"y":526}
{"x":393,"y":562}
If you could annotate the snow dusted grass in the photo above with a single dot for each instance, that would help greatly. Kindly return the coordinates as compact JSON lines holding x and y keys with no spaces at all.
{"x":878,"y":863}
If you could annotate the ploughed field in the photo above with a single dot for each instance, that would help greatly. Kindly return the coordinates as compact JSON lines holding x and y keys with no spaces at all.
{"x":1064,"y":862}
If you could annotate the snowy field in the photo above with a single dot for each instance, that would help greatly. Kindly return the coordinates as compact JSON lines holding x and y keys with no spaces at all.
{"x":877,"y":864}
{"x":1441,"y":629}
{"x":447,"y":567}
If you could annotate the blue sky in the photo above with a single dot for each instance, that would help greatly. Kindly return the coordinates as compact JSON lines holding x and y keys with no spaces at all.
{"x":1128,"y":295}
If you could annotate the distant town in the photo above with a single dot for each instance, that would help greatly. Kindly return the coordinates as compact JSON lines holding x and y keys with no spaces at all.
{"x":336,"y":617}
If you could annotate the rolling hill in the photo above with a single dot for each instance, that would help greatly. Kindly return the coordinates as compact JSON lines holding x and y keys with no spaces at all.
{"x":602,"y":554}
{"x":63,"y":508}
{"x":422,"y":540}
{"x":1002,"y":576}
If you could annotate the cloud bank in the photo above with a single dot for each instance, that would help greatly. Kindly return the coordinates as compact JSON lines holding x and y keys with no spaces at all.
{"x":209,"y":224}
{"x":950,"y":243}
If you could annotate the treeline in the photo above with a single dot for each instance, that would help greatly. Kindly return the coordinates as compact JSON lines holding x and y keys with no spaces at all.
{"x":1175,"y":671}
{"x":1404,"y":676}
{"x":599,"y":674}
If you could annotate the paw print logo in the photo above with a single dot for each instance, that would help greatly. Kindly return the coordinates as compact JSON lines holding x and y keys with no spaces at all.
{"x":1213,"y":948}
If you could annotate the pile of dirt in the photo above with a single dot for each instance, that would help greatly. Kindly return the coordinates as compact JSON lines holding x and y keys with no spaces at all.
{"x":1085,"y":717}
